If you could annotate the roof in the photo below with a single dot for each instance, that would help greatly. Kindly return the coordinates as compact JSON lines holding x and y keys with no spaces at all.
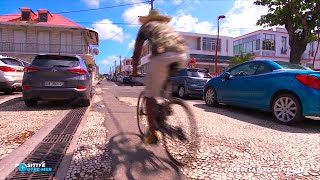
{"x":54,"y":20}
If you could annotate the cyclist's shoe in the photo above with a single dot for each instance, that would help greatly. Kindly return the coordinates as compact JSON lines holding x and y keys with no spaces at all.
{"x":181,"y":135}
{"x":151,"y":139}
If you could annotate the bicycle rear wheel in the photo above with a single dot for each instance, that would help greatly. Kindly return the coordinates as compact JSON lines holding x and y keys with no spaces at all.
{"x":142,"y":118}
{"x":180,"y":151}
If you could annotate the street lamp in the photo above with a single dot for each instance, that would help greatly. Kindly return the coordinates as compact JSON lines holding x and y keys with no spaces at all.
{"x":217,"y":44}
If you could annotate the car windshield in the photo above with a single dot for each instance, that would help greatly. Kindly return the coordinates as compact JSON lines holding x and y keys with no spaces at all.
{"x":56,"y":62}
{"x":11,"y":62}
{"x":198,"y":73}
{"x":287,"y":65}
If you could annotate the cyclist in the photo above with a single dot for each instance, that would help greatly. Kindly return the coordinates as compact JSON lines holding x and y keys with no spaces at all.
{"x":167,"y":47}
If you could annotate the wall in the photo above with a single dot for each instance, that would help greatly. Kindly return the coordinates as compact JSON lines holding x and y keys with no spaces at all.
{"x":6,"y":32}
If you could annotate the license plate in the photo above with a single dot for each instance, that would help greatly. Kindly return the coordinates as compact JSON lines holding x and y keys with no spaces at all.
{"x":53,"y":83}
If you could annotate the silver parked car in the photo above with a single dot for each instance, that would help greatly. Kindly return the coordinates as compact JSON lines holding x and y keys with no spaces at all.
{"x":11,"y":73}
{"x":56,"y":77}
{"x":190,"y":81}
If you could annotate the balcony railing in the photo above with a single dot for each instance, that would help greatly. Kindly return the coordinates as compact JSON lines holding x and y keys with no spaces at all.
{"x":7,"y":47}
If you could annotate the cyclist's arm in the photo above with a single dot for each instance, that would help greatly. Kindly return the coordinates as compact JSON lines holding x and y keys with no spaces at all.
{"x":137,"y":50}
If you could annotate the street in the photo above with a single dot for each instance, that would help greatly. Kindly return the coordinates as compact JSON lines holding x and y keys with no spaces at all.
{"x":235,"y":143}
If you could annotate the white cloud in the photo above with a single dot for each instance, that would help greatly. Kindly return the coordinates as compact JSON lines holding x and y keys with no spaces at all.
{"x":107,"y":30}
{"x":109,"y":60}
{"x":131,"y":44}
{"x":92,"y":3}
{"x":131,"y":14}
{"x":242,"y":18}
{"x":188,"y":23}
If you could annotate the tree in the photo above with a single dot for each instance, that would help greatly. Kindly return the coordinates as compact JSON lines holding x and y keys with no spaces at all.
{"x":241,"y":58}
{"x":300,"y":18}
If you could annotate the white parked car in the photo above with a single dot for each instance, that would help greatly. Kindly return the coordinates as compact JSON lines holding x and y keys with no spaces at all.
{"x":11,"y":73}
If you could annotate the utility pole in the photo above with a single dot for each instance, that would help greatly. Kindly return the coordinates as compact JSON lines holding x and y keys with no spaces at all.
{"x":120,"y":64}
{"x":115,"y":67}
{"x":151,"y":4}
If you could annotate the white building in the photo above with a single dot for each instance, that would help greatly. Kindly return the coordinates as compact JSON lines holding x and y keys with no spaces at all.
{"x":272,"y":44}
{"x":202,"y":48}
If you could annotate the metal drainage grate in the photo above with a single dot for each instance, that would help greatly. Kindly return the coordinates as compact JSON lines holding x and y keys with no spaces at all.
{"x":58,"y":138}
{"x":52,"y":148}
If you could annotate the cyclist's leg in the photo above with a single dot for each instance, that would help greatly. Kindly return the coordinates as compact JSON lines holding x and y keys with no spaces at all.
{"x":153,"y":82}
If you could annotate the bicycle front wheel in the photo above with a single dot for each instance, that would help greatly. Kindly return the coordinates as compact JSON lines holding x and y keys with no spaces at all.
{"x":181,"y":150}
{"x":142,"y":118}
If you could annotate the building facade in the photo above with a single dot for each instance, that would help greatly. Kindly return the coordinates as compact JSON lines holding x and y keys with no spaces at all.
{"x":201,"y":49}
{"x":27,"y":33}
{"x":272,"y":44}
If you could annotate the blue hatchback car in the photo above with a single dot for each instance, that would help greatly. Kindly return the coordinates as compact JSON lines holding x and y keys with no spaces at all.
{"x":289,"y":91}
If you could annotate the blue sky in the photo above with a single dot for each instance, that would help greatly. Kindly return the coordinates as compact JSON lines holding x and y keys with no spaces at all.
{"x":118,"y":39}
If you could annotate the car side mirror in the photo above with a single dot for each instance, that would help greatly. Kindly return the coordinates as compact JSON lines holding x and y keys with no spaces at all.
{"x":225,"y":76}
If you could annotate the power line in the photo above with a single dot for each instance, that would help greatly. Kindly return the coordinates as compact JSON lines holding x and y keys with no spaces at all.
{"x":108,"y":7}
{"x":92,"y":9}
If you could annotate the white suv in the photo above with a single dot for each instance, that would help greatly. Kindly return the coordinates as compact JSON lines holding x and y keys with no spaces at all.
{"x":11,"y":73}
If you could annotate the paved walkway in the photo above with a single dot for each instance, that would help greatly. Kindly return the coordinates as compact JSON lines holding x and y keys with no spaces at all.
{"x":111,"y":148}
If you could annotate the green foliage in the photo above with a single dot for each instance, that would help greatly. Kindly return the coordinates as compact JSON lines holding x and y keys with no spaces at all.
{"x":301,"y":18}
{"x":100,"y":76}
{"x":242,"y":58}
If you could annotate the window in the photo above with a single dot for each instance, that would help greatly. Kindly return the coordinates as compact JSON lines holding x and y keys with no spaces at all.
{"x":209,"y":44}
{"x":43,"y":17}
{"x":53,"y":61}
{"x":263,"y":68}
{"x":284,"y":45}
{"x":268,"y":42}
{"x":245,"y":70}
{"x":12,"y":62}
{"x":25,"y":16}
{"x":287,"y":65}
{"x":258,"y":44}
{"x":311,"y":51}
{"x":227,"y":44}
{"x":202,"y":73}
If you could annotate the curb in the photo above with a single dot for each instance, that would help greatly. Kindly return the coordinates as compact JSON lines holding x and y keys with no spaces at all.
{"x":8,"y":163}
{"x":10,"y":100}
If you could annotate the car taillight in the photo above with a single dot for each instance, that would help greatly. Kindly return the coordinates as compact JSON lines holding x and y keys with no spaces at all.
{"x":309,"y":80}
{"x":7,"y":69}
{"x":29,"y":69}
{"x":77,"y":70}
{"x":26,"y":86}
{"x":81,"y":87}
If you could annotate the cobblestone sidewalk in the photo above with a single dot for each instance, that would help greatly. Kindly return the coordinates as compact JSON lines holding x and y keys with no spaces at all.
{"x":232,"y":148}
{"x":18,"y":123}
{"x":91,"y":157}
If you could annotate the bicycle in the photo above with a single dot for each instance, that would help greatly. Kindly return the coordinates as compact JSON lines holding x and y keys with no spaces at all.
{"x":181,"y":144}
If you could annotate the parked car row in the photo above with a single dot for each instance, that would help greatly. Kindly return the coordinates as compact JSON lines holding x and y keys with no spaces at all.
{"x":121,"y":79}
{"x":48,"y":77}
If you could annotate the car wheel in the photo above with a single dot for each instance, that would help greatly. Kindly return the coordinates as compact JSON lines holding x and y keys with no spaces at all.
{"x":181,"y":92}
{"x":86,"y":102}
{"x":287,"y":109}
{"x":210,"y":96}
{"x":8,"y":91}
{"x":30,"y":102}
